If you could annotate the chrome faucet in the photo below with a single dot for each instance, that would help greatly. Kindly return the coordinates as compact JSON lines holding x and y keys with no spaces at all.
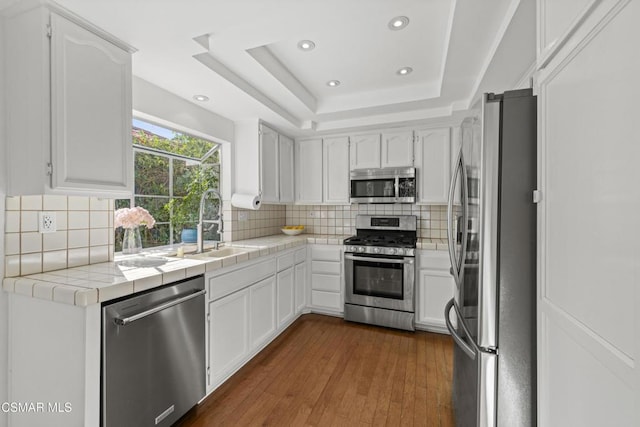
{"x":213,"y":222}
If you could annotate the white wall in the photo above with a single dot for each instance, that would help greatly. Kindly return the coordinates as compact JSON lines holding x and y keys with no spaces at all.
{"x":4,"y":346}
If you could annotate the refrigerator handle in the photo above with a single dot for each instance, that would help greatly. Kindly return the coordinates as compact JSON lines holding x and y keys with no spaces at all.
{"x":468,"y":349}
{"x":457,"y":264}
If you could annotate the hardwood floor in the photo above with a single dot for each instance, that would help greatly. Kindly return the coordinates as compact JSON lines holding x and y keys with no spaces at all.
{"x":324,"y":371}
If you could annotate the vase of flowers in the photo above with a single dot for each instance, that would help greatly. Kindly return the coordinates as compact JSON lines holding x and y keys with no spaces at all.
{"x":131,"y":219}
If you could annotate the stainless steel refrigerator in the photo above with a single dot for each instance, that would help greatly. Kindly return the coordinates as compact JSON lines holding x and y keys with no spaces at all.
{"x":492,"y":245}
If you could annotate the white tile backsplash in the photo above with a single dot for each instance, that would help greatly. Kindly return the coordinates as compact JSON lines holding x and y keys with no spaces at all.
{"x":78,"y":220}
{"x":30,"y":242}
{"x":82,"y":223}
{"x":54,"y":203}
{"x":28,"y":221}
{"x":31,"y":203}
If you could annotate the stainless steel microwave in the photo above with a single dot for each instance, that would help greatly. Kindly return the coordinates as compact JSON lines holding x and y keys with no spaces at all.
{"x":386,"y":185}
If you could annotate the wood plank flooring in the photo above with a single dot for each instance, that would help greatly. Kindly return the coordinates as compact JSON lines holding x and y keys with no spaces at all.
{"x":324,"y":371}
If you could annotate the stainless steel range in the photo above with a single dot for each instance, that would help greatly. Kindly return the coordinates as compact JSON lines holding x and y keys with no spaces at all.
{"x":380,"y":271}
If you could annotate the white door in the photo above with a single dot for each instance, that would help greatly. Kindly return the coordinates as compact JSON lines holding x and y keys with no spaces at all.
{"x":309,"y":171}
{"x":90,"y":112}
{"x":262,"y":323}
{"x":285,"y":177}
{"x":300,"y":282}
{"x":365,"y":151}
{"x":228,"y":333}
{"x":269,"y":165}
{"x":285,"y":284}
{"x":433,"y":164}
{"x":397,"y":149}
{"x":436,"y":288}
{"x":589,"y":257}
{"x":336,"y":170}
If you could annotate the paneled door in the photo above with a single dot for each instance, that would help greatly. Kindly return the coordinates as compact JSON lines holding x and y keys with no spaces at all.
{"x":589,"y":257}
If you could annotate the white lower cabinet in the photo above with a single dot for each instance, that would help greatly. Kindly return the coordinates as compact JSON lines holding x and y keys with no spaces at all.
{"x":249,"y":306}
{"x":327,"y":279}
{"x":262,"y":323}
{"x":435,"y":288}
{"x":300,"y":280}
{"x":286,"y":309}
{"x":228,"y":333}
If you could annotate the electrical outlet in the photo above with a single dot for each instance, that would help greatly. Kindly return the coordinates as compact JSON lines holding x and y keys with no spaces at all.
{"x":312,"y":214}
{"x":243,"y":216}
{"x":46,"y":222}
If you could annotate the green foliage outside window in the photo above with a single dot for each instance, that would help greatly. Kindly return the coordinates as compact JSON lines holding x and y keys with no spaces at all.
{"x":167,"y":186}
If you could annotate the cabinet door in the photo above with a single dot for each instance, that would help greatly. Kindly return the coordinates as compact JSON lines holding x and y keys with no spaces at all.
{"x":336,"y":170}
{"x":285,"y":296}
{"x":365,"y":151}
{"x":309,"y":171}
{"x":433,"y":163}
{"x":436,"y":288}
{"x":285,"y":177}
{"x":262,"y":322}
{"x":397,"y":149}
{"x":269,"y":165}
{"x":90,"y":111}
{"x":228,"y":333}
{"x":300,"y":286}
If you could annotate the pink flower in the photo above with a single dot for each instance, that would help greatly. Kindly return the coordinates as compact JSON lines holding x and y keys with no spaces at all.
{"x":133,"y":217}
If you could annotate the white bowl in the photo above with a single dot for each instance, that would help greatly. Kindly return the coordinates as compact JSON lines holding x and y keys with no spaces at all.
{"x":292,"y":232}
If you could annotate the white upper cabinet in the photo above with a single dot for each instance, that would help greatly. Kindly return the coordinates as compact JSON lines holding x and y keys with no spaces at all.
{"x":69,"y":88}
{"x":276,"y":166}
{"x":336,"y":170}
{"x":365,"y":151}
{"x":433,"y":164}
{"x":322,"y":171}
{"x":285,"y":147}
{"x":269,"y":159}
{"x":387,"y":150}
{"x":396,"y":149}
{"x":309,"y":171}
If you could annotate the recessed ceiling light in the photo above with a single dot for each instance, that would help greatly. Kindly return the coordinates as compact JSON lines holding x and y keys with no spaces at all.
{"x":306,"y":45}
{"x":398,"y":23}
{"x":333,"y":83}
{"x":201,"y":98}
{"x":404,"y":71}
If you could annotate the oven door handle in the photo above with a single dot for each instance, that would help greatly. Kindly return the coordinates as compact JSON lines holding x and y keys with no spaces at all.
{"x":382,"y":260}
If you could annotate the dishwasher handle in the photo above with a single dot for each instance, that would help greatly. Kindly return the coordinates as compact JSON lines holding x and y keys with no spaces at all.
{"x":123,"y":321}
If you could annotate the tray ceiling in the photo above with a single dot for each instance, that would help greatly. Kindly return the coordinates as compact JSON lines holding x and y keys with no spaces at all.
{"x":244,"y":55}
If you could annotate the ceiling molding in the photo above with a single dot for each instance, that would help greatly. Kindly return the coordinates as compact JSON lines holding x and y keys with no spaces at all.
{"x":223,"y":71}
{"x":269,"y":62}
{"x":447,"y":40}
{"x":504,"y":25}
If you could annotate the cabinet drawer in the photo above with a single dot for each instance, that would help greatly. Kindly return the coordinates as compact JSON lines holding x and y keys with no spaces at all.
{"x":285,"y":261}
{"x":300,"y":255}
{"x":326,"y":267}
{"x":326,"y":253}
{"x":225,"y":284}
{"x":434,"y":260}
{"x":326,"y":299}
{"x":325,"y":282}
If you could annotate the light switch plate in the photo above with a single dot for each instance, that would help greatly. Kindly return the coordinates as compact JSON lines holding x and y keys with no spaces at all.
{"x":243,"y":216}
{"x":46,"y":222}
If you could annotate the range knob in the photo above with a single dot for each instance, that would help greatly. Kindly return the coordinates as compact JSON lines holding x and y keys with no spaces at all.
{"x":377,"y":250}
{"x":392,"y":251}
{"x":353,"y":248}
{"x":360,"y":248}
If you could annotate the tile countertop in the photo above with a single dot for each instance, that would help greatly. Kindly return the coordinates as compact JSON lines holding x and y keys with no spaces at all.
{"x":96,"y":283}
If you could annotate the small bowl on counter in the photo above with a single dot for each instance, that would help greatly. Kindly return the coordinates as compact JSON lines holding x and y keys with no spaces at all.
{"x":292,"y":230}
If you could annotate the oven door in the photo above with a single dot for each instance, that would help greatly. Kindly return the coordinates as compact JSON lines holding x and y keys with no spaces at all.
{"x":380,"y":281}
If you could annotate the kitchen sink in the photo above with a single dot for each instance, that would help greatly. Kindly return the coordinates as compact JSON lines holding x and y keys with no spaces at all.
{"x":218,"y":253}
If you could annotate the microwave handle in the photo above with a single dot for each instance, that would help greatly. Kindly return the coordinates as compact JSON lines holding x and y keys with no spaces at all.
{"x":397,"y":186}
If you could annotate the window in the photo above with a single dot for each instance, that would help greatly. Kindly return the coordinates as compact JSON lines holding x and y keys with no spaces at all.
{"x":168,"y":166}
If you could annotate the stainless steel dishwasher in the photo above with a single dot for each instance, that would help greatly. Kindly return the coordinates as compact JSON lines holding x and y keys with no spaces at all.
{"x":153,"y":355}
